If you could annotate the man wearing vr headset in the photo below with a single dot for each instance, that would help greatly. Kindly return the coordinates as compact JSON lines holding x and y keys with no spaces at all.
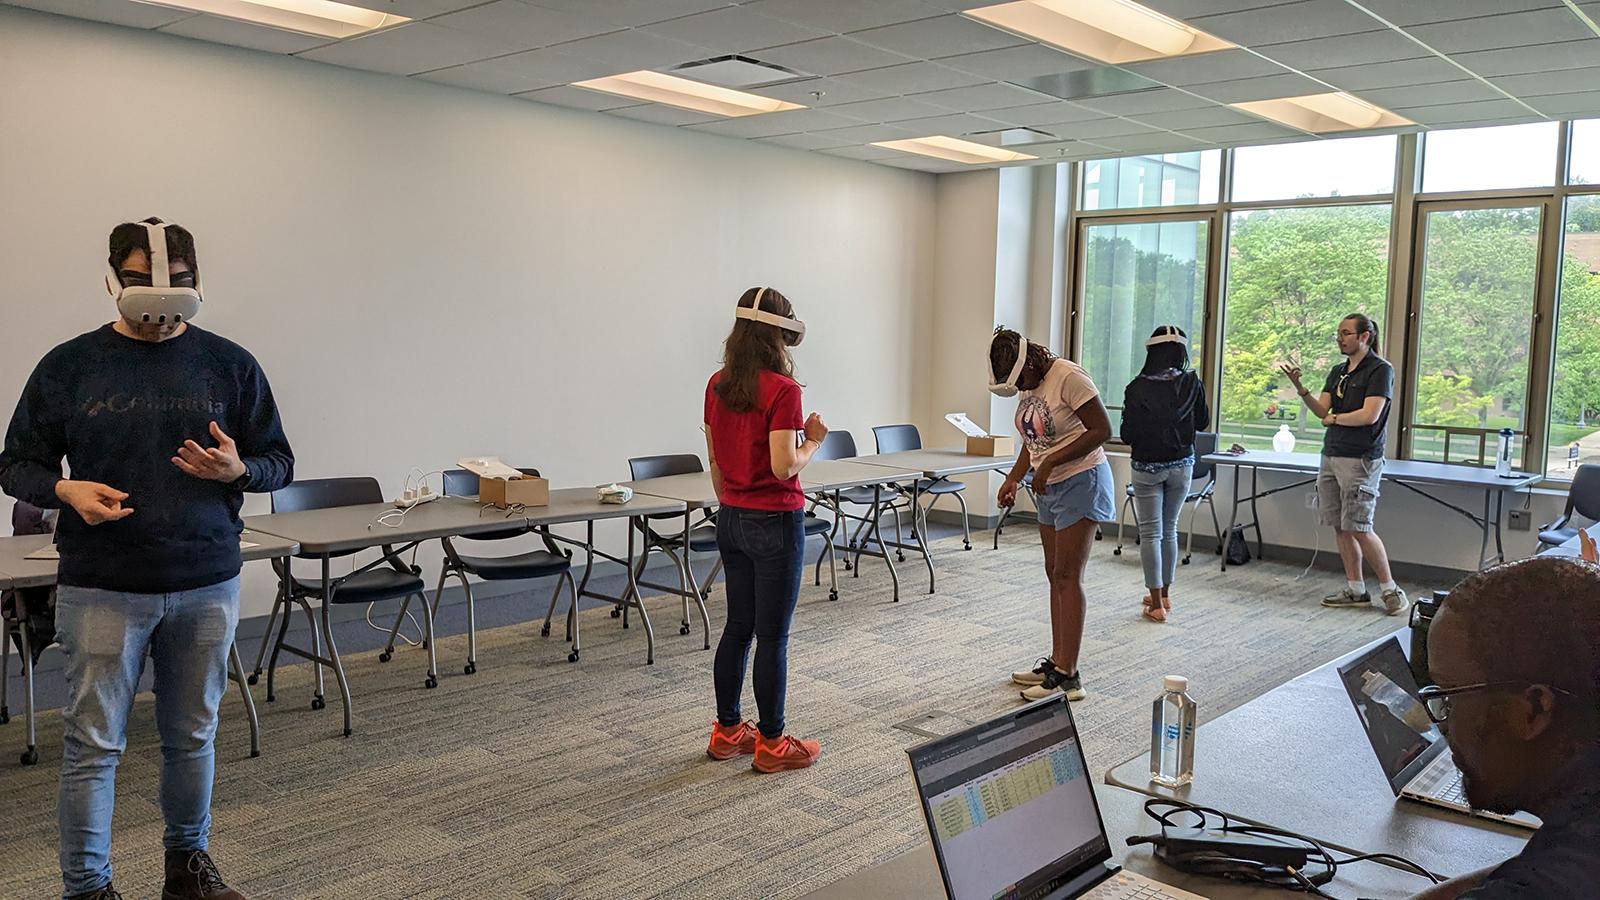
{"x":163,"y":427}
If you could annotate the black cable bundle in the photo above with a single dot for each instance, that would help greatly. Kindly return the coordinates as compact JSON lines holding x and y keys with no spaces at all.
{"x":1197,"y":855}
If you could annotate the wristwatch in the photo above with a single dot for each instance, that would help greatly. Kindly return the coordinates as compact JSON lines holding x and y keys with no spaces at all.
{"x":242,"y":482}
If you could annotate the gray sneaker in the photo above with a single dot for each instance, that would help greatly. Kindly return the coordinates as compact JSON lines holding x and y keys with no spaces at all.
{"x":1395,"y":602}
{"x":1347,"y":598}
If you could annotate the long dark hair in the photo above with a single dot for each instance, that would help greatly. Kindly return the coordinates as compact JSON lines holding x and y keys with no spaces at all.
{"x":1170,"y":355}
{"x":1365,"y":325}
{"x":751,"y":348}
{"x":1003,"y":355}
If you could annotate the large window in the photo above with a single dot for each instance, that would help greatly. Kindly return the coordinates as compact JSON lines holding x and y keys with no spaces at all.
{"x":1292,"y":275}
{"x":1137,"y":276}
{"x":1166,"y":179}
{"x":1583,"y":160}
{"x":1482,"y":159}
{"x":1477,"y":294}
{"x":1350,"y":167}
{"x":1575,"y":389}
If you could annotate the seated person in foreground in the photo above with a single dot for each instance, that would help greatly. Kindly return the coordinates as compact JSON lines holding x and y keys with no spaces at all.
{"x":1515,"y":652}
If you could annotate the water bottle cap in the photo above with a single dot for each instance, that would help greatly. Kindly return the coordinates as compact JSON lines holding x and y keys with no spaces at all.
{"x":1284,"y":427}
{"x":1175,"y":683}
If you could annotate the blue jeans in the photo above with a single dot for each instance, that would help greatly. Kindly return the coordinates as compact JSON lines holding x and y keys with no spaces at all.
{"x":1157,"y":501}
{"x":763,"y":555}
{"x":106,"y":636}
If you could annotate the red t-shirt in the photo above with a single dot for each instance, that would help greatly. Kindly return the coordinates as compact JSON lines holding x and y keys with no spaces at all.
{"x":743,"y":450}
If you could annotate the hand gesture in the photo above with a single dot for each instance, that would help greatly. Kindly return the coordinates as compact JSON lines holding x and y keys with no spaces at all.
{"x":1589,"y":553}
{"x":93,"y":501}
{"x":1293,"y":372}
{"x":815,"y":430}
{"x":219,"y":463}
{"x":1008,"y":494}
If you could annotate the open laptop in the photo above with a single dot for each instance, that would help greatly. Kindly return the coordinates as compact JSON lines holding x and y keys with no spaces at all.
{"x":1413,"y":753}
{"x":1012,"y":814}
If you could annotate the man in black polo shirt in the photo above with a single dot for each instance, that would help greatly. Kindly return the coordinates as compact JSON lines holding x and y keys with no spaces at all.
{"x":1354,"y":407}
{"x":1516,"y":654}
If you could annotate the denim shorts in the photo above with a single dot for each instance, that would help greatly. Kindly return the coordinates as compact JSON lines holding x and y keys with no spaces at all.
{"x":1086,"y":495}
{"x":1347,"y":492}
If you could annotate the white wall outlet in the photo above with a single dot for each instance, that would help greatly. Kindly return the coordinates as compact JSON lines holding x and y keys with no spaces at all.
{"x":1518,"y":520}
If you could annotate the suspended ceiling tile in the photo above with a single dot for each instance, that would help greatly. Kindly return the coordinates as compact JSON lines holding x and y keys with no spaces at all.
{"x":1298,"y":21}
{"x":1428,"y":70}
{"x":948,"y":35}
{"x":1224,"y":65}
{"x":633,"y":13}
{"x":1417,"y":12}
{"x":1270,"y":88}
{"x":1151,"y":101}
{"x":845,"y":16}
{"x":890,"y":109}
{"x":628,"y":51}
{"x":805,"y":141}
{"x":834,"y":92}
{"x":659,"y":114}
{"x":578,"y":98}
{"x":409,"y":49}
{"x":1361,"y":49}
{"x":1523,"y":60}
{"x":1544,"y":26}
{"x":1465,"y":91}
{"x":1038,"y":114}
{"x":735,"y":29}
{"x":243,"y":34}
{"x":770,"y":124}
{"x":1577,"y":105}
{"x":534,"y":69}
{"x":831,"y":56}
{"x":1464,"y":112}
{"x":530,"y":26}
{"x":117,"y":12}
{"x":1017,"y":63}
{"x":980,"y":97}
{"x":910,"y":78}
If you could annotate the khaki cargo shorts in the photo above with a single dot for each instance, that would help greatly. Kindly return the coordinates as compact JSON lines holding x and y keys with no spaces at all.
{"x":1347,"y":492}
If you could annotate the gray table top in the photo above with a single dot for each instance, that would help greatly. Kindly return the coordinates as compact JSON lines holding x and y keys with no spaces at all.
{"x":16,"y":571}
{"x":915,"y":874}
{"x":841,"y":474}
{"x":938,"y":463}
{"x":568,"y":505}
{"x":1297,"y":758}
{"x":1412,"y":470}
{"x":345,"y":528}
{"x":693,"y":489}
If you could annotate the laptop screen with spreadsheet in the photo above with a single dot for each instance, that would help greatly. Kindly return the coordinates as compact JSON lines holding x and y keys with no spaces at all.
{"x":1010,"y":809}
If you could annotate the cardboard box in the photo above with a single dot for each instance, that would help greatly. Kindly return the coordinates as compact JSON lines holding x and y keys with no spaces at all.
{"x":992,"y":445}
{"x":506,"y":493}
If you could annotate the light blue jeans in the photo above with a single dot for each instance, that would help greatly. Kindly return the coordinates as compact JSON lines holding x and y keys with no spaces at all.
{"x":1158,"y":501}
{"x":106,"y":636}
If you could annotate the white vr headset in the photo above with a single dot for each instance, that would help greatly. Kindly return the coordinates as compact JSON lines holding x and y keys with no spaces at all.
{"x":1008,"y":388}
{"x":158,"y":303}
{"x":754,"y":312}
{"x":1167,"y":334}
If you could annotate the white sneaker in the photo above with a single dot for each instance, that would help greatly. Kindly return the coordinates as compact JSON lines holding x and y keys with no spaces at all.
{"x":1056,"y":680}
{"x":1395,"y":602}
{"x":1036,"y":676}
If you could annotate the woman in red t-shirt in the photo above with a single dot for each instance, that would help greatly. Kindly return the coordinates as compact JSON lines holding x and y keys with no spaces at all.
{"x":753,"y":436}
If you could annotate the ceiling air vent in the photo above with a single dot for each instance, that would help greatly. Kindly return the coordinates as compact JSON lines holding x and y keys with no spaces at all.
{"x":739,"y":72}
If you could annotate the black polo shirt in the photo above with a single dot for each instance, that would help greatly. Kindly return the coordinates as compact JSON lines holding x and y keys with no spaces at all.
{"x":1349,"y":390}
{"x":1561,"y":858}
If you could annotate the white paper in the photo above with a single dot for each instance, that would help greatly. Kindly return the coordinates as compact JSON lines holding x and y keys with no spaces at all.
{"x":488,"y":467}
{"x":967,"y":426}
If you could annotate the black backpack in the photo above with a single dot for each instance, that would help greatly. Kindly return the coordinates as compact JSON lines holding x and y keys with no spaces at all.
{"x":1238,"y":552}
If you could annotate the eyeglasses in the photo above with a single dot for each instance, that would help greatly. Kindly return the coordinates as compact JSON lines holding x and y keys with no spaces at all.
{"x":1436,"y":700}
{"x":1345,"y":334}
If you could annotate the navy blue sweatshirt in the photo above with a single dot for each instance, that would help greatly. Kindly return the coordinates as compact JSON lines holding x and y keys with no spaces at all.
{"x":117,"y":409}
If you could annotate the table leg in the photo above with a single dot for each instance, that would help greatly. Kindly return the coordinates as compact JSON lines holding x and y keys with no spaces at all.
{"x":1499,"y":514}
{"x":333,"y":650}
{"x":1483,"y":545}
{"x":638,"y":600}
{"x":1233,"y":515}
{"x":236,"y":675}
{"x":894,"y":576}
{"x":1255,"y":511}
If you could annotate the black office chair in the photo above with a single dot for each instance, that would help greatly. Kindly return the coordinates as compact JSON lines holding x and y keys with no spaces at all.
{"x":552,"y":561}
{"x":1583,"y":498}
{"x":896,"y":438}
{"x":699,"y":537}
{"x":1202,"y":485}
{"x":373,"y":583}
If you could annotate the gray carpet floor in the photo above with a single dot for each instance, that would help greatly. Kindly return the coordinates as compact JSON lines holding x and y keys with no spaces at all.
{"x":539,"y":778}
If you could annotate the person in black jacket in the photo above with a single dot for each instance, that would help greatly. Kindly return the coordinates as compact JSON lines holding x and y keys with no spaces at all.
{"x":163,"y":427}
{"x":1162,"y":409}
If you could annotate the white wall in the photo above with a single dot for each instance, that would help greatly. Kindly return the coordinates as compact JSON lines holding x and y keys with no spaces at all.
{"x":427,"y":273}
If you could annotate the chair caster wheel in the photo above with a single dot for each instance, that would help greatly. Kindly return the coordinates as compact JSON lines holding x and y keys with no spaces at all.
{"x":252,"y":679}
{"x":431,"y":683}
{"x":624,"y":624}
{"x":5,"y":716}
{"x":1117,"y":552}
{"x":849,"y":567}
{"x":470,"y":668}
{"x":616,"y":613}
{"x":683,"y":629}
{"x":347,"y":732}
{"x":573,"y":656}
{"x":545,"y":631}
{"x":899,"y":557}
{"x":705,"y":594}
{"x":966,"y":546}
{"x":1186,"y":560}
{"x":385,"y":656}
{"x":30,"y":757}
{"x":318,"y":703}
{"x":833,"y":595}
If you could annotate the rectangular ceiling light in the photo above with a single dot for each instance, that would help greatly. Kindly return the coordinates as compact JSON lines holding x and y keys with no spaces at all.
{"x":1333,"y":111}
{"x":1112,"y":31}
{"x":658,"y":87}
{"x":939,"y":146}
{"x":323,"y":18}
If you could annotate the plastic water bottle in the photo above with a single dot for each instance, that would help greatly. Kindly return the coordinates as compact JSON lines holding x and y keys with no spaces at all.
{"x":1172,"y":734}
{"x":1502,"y":458}
{"x":1283,"y":441}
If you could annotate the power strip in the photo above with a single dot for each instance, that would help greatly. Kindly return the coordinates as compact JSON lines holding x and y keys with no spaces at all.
{"x":415,"y":497}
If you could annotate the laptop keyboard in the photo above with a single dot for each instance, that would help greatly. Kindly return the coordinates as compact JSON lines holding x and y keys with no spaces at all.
{"x":1123,"y":887}
{"x":1451,"y":792}
{"x":1442,"y":781}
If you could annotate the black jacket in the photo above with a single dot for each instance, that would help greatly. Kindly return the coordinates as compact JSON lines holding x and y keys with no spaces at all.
{"x":1161,"y":413}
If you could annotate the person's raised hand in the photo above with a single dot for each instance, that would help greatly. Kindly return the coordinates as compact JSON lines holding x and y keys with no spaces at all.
{"x":219,"y":463}
{"x":1294,"y":375}
{"x":815,"y":428}
{"x":1588,"y":551}
{"x":93,"y":501}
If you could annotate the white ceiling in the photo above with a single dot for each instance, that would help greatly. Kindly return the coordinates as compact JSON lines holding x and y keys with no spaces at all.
{"x":886,"y":69}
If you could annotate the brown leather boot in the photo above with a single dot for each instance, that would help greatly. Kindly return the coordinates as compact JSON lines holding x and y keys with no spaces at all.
{"x":191,"y":875}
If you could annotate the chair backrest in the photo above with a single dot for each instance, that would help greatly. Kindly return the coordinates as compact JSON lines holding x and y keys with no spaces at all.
{"x":1205,"y":442}
{"x":1584,"y":494}
{"x":461,"y":483}
{"x":642,"y":467}
{"x":326,"y":493}
{"x":837,"y":445}
{"x":895,"y":438}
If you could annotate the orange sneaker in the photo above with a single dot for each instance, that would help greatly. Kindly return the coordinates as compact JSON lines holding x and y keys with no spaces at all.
{"x":784,"y":753}
{"x":726,"y":743}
